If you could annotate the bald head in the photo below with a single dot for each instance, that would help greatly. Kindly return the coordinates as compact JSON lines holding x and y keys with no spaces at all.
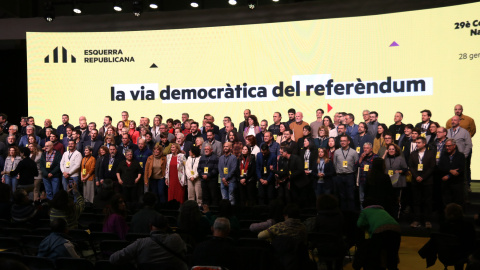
{"x":298,"y":117}
{"x":458,"y":110}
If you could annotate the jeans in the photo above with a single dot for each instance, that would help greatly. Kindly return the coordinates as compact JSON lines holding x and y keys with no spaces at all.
{"x":322,"y":188}
{"x":228,"y":192}
{"x":51,"y":186}
{"x":159,"y":188}
{"x":65,"y":181}
{"x":12,"y":181}
{"x":345,"y":186}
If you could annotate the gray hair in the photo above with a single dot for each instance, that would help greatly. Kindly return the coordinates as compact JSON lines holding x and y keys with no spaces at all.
{"x":366,"y":111}
{"x":181,"y":135}
{"x":222,"y":224}
{"x":452,"y":141}
{"x":128,"y":151}
{"x":207,"y":145}
{"x":89,"y":148}
{"x":368,"y":144}
{"x":164,"y":125}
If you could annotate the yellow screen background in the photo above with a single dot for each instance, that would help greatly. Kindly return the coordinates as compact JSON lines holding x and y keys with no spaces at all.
{"x":264,"y":54}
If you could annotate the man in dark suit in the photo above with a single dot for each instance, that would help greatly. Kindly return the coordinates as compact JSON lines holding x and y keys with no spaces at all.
{"x":424,"y":126}
{"x":224,"y":131}
{"x":184,"y":145}
{"x":110,"y":167}
{"x":452,"y":172}
{"x":126,"y":144}
{"x":244,"y":124}
{"x":299,"y":182}
{"x":409,"y":145}
{"x":93,"y":141}
{"x":422,"y":164}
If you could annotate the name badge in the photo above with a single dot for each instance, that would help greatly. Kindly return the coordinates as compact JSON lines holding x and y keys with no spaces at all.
{"x":242,"y":172}
{"x":67,"y":148}
{"x":61,"y":136}
{"x":358,"y":149}
{"x":26,"y":145}
{"x":345,"y":164}
{"x":141,"y":164}
{"x":48,"y":165}
{"x":264,"y":169}
{"x":306,"y":164}
{"x":390,"y":172}
{"x":290,"y":172}
{"x":420,"y":167}
{"x":205,"y":169}
{"x":225,"y":170}
{"x":110,"y":167}
{"x":192,"y":172}
{"x":366,"y":167}
{"x":67,"y":164}
{"x":281,"y":170}
{"x":423,"y":135}
{"x":438,"y":154}
{"x":84,"y":171}
{"x":275,"y":137}
{"x":397,"y":136}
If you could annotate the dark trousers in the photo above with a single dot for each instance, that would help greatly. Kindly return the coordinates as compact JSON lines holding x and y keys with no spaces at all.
{"x":468,"y":171}
{"x":210,"y":191}
{"x":300,"y":195}
{"x":345,"y":188}
{"x":452,"y":193}
{"x":422,"y":199}
{"x":284,"y":192}
{"x":248,"y":193}
{"x":266,"y":193}
{"x":159,"y":187}
{"x":397,"y":203}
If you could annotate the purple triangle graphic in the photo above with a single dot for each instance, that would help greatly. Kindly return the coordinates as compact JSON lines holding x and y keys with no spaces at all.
{"x":394,"y":44}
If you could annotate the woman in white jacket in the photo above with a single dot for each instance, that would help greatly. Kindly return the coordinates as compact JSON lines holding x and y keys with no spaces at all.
{"x":193,"y":179}
{"x":175,"y":174}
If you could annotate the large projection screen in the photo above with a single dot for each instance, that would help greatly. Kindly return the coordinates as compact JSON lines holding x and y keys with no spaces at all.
{"x":407,"y":61}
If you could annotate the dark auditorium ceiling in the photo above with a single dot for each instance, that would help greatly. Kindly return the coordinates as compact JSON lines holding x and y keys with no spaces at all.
{"x":35,"y":8}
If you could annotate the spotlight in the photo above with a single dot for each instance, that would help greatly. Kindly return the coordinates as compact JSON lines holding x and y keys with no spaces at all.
{"x":137,"y":8}
{"x":275,"y":0}
{"x":194,"y":4}
{"x":49,"y":15}
{"x":76,"y":7}
{"x":232,"y":2}
{"x":117,"y":5}
{"x":252,"y":4}
{"x":153,"y":5}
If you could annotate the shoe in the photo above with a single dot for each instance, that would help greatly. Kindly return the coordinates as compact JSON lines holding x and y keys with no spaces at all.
{"x":428,"y":225}
{"x":416,"y":224}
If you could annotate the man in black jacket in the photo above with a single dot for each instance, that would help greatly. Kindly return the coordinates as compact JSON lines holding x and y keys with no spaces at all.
{"x":452,"y":171}
{"x":208,"y":171}
{"x":110,"y":167}
{"x":422,"y":165}
{"x":299,"y":182}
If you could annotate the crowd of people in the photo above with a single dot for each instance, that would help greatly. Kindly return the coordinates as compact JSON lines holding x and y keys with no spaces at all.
{"x":336,"y":165}
{"x":400,"y":165}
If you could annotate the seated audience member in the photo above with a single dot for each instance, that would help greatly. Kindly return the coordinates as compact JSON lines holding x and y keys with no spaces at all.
{"x":143,"y":219}
{"x":292,"y":226}
{"x":56,"y":245}
{"x":225,"y":210}
{"x":105,"y":195}
{"x":330,"y":220}
{"x":23,"y":210}
{"x":289,"y":239}
{"x":161,"y":247}
{"x":192,"y":222}
{"x":63,"y":206}
{"x":275,"y":215}
{"x":455,"y":223}
{"x":378,"y":186}
{"x":115,"y":216}
{"x":380,"y":251}
{"x":219,"y":250}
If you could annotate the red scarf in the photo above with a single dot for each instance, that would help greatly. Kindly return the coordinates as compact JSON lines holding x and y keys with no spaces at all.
{"x":244,"y":164}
